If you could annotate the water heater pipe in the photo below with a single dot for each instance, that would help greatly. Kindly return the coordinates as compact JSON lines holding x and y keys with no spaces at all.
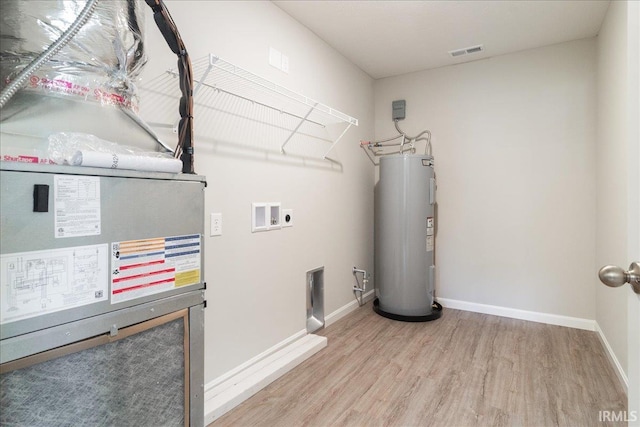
{"x":357,"y":288}
{"x":419,"y":137}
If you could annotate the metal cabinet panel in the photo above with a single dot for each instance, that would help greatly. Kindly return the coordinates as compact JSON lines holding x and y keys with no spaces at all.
{"x":133,"y":206}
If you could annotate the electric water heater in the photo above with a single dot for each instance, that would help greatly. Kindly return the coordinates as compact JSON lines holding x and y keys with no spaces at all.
{"x":405,"y":238}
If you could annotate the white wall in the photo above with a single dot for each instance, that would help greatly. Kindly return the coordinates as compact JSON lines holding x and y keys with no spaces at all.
{"x":611,"y":172}
{"x":256,"y":282}
{"x":514,"y":145}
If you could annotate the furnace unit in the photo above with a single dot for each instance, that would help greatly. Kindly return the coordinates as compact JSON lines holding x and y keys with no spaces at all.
{"x":102,"y":296}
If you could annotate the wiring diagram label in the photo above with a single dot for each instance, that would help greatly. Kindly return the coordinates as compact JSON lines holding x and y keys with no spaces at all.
{"x":77,"y":206}
{"x":42,"y":282}
{"x":150,"y":266}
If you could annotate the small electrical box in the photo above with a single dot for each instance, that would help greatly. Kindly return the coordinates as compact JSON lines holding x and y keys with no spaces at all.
{"x":398,"y":109}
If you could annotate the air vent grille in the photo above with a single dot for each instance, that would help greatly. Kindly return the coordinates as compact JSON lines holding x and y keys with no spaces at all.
{"x":466,"y":51}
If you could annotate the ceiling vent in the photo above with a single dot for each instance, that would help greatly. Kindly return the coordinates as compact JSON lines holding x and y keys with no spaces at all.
{"x":466,"y":50}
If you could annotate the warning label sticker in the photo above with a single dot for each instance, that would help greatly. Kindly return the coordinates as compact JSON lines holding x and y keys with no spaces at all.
{"x":430,"y":243}
{"x":429,"y":222}
{"x":77,"y":206}
{"x":430,"y":229}
{"x":150,"y":266}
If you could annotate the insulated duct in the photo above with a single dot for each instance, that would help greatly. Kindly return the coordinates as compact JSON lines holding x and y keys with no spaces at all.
{"x":98,"y":64}
{"x":88,"y":86}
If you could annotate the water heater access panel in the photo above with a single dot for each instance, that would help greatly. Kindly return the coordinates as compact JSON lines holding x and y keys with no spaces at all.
{"x":81,"y":242}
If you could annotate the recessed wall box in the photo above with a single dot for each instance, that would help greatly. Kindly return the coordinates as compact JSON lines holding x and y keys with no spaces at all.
{"x":315,"y":299}
{"x":265,"y":216}
{"x":274,"y":216}
{"x":259,"y":217}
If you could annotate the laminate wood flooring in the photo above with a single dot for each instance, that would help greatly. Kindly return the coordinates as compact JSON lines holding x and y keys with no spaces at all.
{"x":464,"y":369}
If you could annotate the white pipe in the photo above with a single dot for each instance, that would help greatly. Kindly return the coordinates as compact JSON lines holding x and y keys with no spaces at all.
{"x":362,"y":289}
{"x":356,"y":270}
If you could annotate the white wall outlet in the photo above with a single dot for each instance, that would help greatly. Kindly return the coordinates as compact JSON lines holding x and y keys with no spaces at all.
{"x":287,"y":217}
{"x":275,"y":58}
{"x":278,"y":60}
{"x":216,"y":224}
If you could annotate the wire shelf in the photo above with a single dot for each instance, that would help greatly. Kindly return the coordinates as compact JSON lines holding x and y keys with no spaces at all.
{"x":235,"y":105}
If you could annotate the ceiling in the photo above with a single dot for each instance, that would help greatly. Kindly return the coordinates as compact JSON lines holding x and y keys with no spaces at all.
{"x":388,"y":38}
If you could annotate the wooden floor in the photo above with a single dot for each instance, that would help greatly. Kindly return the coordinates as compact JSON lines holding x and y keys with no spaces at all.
{"x":464,"y":369}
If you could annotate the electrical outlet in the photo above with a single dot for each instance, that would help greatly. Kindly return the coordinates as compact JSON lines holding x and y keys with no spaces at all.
{"x":278,"y":60}
{"x":216,"y":224}
{"x":275,"y":58}
{"x":287,"y":217}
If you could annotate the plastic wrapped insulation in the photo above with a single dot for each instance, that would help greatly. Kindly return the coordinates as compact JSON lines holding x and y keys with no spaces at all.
{"x":81,"y":149}
{"x":100,"y":64}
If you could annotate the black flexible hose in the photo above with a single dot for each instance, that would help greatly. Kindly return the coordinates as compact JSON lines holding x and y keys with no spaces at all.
{"x":168,"y":28}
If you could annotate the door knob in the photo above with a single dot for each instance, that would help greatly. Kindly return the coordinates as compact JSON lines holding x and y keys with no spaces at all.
{"x":614,"y":276}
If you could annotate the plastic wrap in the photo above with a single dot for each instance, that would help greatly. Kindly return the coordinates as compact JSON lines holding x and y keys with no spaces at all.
{"x":80,"y":149}
{"x":99,"y":64}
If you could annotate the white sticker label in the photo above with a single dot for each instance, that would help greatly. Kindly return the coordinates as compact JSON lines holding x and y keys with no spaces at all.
{"x":430,"y":222}
{"x":42,"y":282}
{"x":430,"y":241}
{"x":76,"y":206}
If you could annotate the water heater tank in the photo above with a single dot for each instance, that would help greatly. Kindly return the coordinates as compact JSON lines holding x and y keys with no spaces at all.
{"x":405,"y":238}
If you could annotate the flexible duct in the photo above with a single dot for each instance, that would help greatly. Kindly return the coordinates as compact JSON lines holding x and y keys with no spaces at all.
{"x":99,"y":48}
{"x":11,"y":89}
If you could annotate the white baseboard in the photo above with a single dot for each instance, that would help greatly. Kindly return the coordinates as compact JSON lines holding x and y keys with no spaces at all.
{"x":253,"y":361}
{"x":221,"y":396}
{"x":514,"y":313}
{"x":346,"y":309}
{"x":617,"y":367}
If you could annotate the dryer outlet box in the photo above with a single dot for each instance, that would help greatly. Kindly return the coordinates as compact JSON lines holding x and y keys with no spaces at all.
{"x":287,"y":217}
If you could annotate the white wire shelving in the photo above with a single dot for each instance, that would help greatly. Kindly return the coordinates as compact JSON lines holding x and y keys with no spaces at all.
{"x":233,"y":104}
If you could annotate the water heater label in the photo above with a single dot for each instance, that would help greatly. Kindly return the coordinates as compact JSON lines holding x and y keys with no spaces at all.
{"x":430,"y":243}
{"x":150,"y":266}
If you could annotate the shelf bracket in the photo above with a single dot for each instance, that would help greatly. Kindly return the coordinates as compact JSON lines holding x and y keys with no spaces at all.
{"x":202,"y":79}
{"x":297,"y":127}
{"x":336,"y":141}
